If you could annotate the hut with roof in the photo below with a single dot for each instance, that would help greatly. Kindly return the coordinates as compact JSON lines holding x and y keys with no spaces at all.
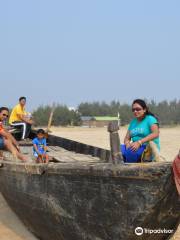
{"x":97,"y":121}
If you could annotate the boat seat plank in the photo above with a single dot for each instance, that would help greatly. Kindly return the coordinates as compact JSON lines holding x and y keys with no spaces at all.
{"x":67,"y":156}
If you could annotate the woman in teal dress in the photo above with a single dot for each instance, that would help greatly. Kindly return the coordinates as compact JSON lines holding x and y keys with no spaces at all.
{"x":143,"y":128}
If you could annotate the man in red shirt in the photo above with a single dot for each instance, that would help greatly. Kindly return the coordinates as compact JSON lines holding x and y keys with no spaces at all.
{"x":7,"y":141}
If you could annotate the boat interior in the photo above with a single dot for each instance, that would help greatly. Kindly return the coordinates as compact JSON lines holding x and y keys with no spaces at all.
{"x":56,"y":154}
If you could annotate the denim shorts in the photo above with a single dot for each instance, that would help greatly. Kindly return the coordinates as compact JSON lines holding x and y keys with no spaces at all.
{"x":36,"y":155}
{"x":1,"y":143}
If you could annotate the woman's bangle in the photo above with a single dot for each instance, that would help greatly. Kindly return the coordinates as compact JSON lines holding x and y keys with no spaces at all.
{"x":140,"y":142}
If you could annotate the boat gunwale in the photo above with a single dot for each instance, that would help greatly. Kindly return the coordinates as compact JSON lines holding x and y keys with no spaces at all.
{"x":146,"y":171}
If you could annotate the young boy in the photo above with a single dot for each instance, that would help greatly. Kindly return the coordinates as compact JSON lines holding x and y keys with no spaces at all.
{"x":40,"y":147}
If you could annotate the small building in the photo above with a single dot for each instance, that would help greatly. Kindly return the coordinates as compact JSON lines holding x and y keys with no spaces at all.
{"x":97,"y":121}
{"x":86,"y":121}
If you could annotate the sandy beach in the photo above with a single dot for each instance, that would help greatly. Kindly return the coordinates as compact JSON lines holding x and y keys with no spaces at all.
{"x":169,"y":138}
{"x":11,"y":228}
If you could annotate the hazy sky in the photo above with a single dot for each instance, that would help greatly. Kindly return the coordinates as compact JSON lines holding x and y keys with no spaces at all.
{"x":85,"y":50}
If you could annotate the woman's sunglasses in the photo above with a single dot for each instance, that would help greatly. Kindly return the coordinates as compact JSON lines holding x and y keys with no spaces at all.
{"x":136,"y":109}
{"x":5,"y":115}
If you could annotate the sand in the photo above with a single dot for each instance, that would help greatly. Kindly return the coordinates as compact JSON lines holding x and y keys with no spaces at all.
{"x":169,"y":138}
{"x":12,"y":228}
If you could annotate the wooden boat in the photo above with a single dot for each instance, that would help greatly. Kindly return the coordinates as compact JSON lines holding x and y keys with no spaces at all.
{"x":79,"y":195}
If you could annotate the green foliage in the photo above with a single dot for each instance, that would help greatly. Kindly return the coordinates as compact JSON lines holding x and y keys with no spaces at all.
{"x":41,"y":115}
{"x":104,"y":109}
{"x":168,"y":113}
{"x":62,"y":116}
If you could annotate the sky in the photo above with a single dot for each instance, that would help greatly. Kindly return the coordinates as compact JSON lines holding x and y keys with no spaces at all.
{"x":75,"y":51}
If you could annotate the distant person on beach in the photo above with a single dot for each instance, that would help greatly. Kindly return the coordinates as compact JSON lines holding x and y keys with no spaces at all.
{"x":7,"y":141}
{"x":19,"y":118}
{"x":40,"y":147}
{"x":143,"y":131}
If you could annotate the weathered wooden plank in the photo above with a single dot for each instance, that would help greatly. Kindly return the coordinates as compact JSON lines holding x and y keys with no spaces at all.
{"x":79,"y":147}
{"x":95,"y":201}
{"x":116,"y":154}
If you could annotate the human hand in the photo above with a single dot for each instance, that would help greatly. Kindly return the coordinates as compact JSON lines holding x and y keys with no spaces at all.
{"x":128,"y":144}
{"x":30,"y":121}
{"x":135,"y":146}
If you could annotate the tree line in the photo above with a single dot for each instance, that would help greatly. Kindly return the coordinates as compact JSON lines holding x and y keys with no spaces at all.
{"x":168,"y":112}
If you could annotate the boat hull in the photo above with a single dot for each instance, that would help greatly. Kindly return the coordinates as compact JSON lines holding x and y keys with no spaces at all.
{"x":92,"y":202}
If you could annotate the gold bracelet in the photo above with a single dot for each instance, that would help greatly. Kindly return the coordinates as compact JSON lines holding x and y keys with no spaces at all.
{"x":140,"y":142}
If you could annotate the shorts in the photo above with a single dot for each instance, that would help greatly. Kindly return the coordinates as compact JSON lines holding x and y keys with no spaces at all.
{"x":1,"y":143}
{"x":36,"y":155}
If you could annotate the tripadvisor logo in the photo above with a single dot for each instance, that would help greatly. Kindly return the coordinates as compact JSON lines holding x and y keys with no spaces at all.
{"x":139,"y":231}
